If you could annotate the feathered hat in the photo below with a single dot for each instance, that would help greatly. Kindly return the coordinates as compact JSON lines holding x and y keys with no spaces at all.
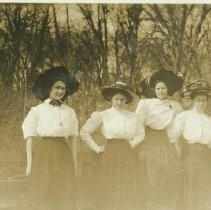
{"x":195,"y":88}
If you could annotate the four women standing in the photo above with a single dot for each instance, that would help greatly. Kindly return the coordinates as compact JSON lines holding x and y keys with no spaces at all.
{"x":151,"y":179}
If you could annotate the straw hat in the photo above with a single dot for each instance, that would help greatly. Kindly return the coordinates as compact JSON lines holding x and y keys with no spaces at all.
{"x":119,"y":87}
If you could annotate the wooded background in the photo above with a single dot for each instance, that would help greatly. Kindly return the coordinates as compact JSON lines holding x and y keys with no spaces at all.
{"x":101,"y":42}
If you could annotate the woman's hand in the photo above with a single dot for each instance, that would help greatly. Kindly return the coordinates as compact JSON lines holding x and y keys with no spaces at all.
{"x":29,"y":155}
{"x":73,"y":144}
{"x":177,"y":148}
{"x":102,"y":148}
{"x":132,"y":144}
{"x":76,"y":171}
{"x":28,"y":169}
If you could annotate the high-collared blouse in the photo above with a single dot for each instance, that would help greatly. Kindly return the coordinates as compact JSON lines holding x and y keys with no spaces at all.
{"x":46,"y":120}
{"x":157,"y":114}
{"x":193,"y":125}
{"x":114,"y":124}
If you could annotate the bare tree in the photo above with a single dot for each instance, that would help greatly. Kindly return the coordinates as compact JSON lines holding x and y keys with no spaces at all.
{"x":178,"y":35}
{"x":100,"y":35}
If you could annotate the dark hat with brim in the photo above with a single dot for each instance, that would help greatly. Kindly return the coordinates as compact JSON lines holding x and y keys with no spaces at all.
{"x":173,"y":81}
{"x":200,"y":87}
{"x":46,"y":80}
{"x":119,"y":87}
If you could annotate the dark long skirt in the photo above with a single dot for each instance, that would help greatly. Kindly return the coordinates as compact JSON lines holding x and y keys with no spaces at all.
{"x":198,"y":176}
{"x":52,"y":179}
{"x":162,"y":173}
{"x":119,"y":181}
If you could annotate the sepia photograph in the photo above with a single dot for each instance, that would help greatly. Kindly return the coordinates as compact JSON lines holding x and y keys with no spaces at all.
{"x":105,"y":106}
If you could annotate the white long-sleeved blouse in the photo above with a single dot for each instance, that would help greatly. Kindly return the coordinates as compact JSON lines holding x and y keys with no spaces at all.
{"x":193,"y":125}
{"x":46,"y":120}
{"x":157,"y":114}
{"x":114,"y":124}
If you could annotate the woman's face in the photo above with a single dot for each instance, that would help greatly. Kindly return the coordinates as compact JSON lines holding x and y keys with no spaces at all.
{"x":118,"y":101}
{"x":200,"y":102}
{"x":161,"y":90}
{"x":57,"y":90}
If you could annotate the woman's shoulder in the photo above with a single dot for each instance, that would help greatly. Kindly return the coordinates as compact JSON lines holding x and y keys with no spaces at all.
{"x":37,"y":107}
{"x":97,"y":114}
{"x":175,"y":104}
{"x":132,"y":115}
{"x":184,"y":114}
{"x":191,"y":117}
{"x":146,"y":101}
{"x":35,"y":110}
{"x":129,"y":113}
{"x":104,"y":112}
{"x":67,"y":107}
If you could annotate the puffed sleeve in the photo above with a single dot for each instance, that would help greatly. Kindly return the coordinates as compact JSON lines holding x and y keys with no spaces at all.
{"x":141,"y":110}
{"x":176,"y":128}
{"x":139,"y":135}
{"x":74,"y":126}
{"x":92,"y":124}
{"x":209,"y":143}
{"x":29,"y":125}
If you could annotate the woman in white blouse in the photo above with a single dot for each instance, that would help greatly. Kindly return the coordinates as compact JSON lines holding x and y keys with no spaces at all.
{"x":161,"y":172}
{"x":118,"y":180}
{"x":50,"y":167}
{"x":195,"y":126}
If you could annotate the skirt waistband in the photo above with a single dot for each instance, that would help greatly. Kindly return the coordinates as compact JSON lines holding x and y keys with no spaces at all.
{"x":198,"y":146}
{"x":52,"y":138}
{"x":116,"y":140}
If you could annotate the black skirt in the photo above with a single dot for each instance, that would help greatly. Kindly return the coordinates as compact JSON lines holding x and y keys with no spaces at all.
{"x":162,"y":173}
{"x":119,"y":182}
{"x":52,"y":179}
{"x":198,"y":177}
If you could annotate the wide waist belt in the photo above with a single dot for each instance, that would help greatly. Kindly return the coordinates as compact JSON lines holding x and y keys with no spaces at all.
{"x":198,"y":145}
{"x":52,"y":138}
{"x":116,"y":140}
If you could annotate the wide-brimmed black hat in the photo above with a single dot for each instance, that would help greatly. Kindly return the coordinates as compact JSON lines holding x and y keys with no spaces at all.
{"x":45,"y":81}
{"x":195,"y":88}
{"x":119,"y":87}
{"x":173,"y":81}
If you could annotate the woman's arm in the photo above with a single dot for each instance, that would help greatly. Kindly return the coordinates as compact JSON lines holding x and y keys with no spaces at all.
{"x":177,"y":148}
{"x":142,"y":110}
{"x":29,"y":151}
{"x":174,"y":132}
{"x":74,"y":147}
{"x":29,"y":127}
{"x":91,"y":125}
{"x":139,"y":135}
